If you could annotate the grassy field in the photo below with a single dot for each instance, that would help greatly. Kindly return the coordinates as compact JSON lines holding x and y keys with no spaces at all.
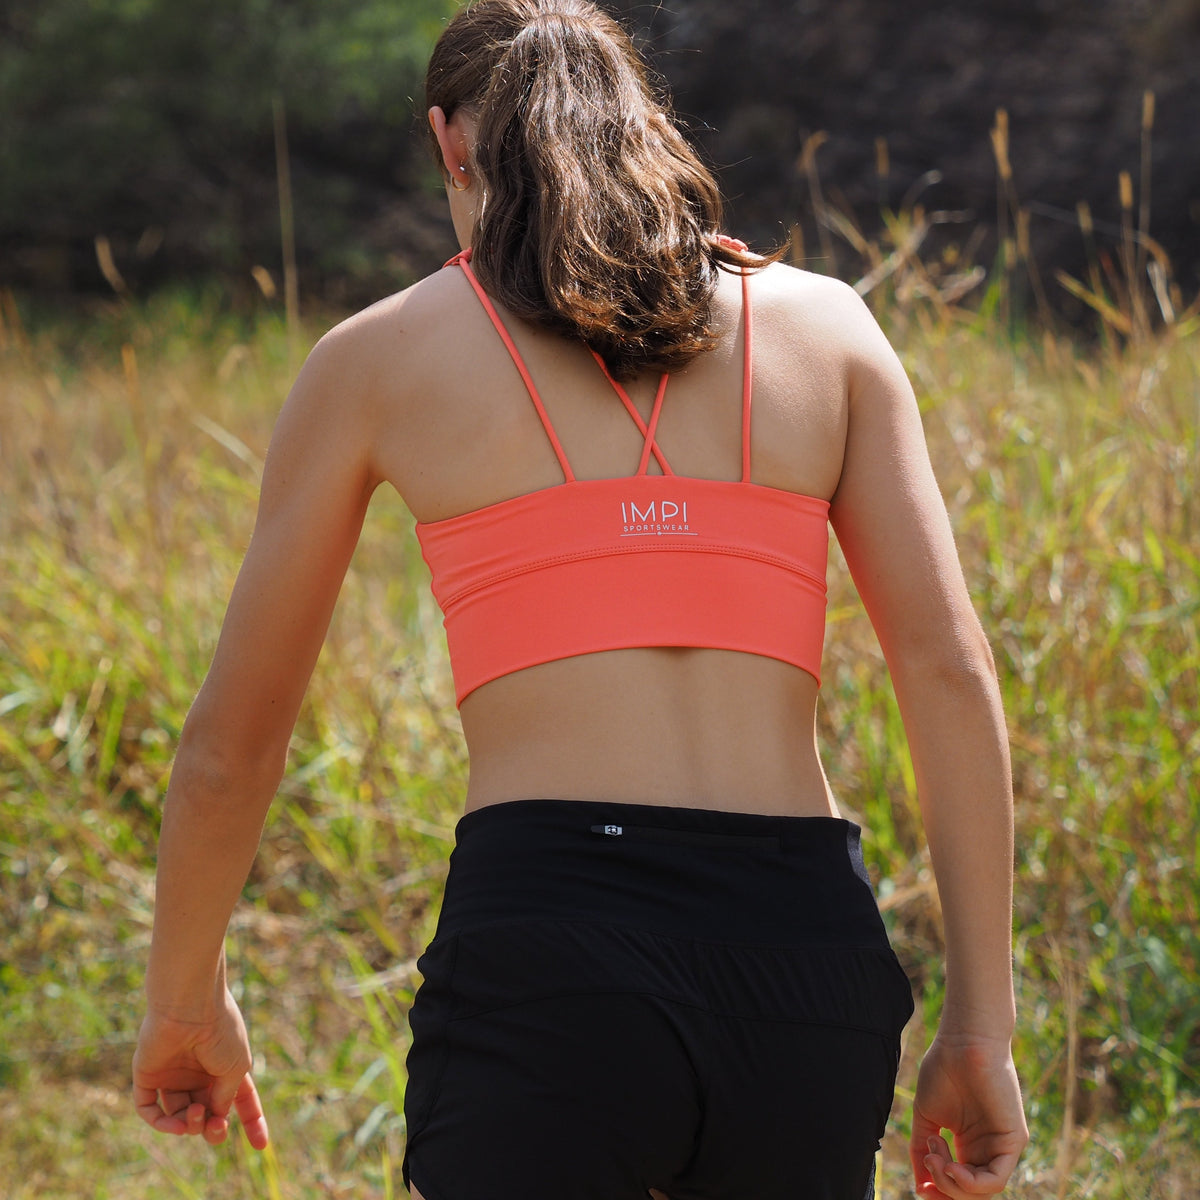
{"x":130,"y":446}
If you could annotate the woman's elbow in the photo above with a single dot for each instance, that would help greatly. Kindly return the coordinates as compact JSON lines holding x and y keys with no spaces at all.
{"x":956,"y":658}
{"x":215,"y":764}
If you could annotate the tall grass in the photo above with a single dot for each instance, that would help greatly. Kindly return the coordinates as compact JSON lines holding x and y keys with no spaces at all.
{"x":130,"y":446}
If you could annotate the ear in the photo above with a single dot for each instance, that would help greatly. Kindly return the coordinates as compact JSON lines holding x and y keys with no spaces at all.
{"x":453,"y":143}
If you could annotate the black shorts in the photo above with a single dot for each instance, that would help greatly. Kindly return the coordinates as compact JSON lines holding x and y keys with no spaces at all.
{"x":622,"y":997}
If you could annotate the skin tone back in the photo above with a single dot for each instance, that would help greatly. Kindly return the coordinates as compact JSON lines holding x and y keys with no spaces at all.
{"x":417,"y":392}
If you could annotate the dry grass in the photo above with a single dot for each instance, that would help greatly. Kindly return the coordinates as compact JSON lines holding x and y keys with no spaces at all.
{"x":130,"y":446}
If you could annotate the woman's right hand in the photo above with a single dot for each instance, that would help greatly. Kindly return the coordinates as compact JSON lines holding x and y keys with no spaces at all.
{"x":188,"y":1075}
{"x":969,"y":1086}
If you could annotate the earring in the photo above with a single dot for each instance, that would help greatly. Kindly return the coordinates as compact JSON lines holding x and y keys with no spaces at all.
{"x":460,"y":187}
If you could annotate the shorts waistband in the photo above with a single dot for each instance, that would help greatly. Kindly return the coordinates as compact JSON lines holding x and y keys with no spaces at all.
{"x":571,"y":814}
{"x":704,"y":874}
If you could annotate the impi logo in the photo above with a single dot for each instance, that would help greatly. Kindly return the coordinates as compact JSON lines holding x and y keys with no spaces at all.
{"x":655,"y":519}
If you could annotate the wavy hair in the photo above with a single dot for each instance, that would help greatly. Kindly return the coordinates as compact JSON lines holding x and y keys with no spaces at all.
{"x":598,"y":220}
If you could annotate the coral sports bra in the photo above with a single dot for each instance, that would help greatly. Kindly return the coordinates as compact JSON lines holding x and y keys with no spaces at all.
{"x":641,"y":560}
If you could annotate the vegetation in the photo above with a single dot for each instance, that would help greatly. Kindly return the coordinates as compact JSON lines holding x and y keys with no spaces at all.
{"x":152,"y":124}
{"x":130,"y":445}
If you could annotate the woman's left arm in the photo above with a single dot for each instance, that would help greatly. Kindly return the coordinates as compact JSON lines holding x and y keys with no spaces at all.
{"x":192,"y":1062}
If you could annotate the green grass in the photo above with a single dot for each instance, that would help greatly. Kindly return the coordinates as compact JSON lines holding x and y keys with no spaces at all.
{"x":130,"y":445}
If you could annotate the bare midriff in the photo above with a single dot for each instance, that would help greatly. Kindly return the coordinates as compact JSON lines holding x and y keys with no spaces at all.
{"x":695,"y":728}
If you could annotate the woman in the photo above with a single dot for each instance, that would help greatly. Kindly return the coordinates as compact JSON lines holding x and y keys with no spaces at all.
{"x":659,"y":967}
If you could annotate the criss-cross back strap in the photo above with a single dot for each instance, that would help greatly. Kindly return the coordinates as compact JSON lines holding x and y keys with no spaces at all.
{"x":649,"y":443}
{"x":463,"y":260}
{"x":647,"y":432}
{"x":651,"y":446}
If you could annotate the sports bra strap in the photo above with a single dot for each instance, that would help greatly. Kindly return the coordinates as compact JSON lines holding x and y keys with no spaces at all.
{"x":463,"y":260}
{"x":650,"y":447}
{"x":747,"y":355}
{"x":747,"y":377}
{"x":655,"y":413}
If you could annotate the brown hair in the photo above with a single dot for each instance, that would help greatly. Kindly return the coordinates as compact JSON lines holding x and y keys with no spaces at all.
{"x":598,"y":220}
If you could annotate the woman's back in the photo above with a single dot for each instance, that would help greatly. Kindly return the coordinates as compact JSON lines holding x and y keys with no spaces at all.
{"x":457,"y":431}
{"x":671,"y":997}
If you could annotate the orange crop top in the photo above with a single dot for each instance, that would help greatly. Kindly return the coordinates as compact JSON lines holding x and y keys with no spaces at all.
{"x":641,"y":560}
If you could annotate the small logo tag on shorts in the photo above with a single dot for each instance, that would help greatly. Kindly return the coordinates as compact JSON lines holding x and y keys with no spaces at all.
{"x":609,"y":830}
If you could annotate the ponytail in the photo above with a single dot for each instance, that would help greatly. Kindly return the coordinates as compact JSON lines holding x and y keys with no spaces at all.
{"x":597,"y":221}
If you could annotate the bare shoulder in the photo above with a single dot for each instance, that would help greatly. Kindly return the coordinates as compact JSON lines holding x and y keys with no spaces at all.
{"x":374,"y":365}
{"x":818,"y":308}
{"x":839,"y":333}
{"x":389,"y":327}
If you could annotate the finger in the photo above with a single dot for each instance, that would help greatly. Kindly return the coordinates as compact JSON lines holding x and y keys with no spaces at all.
{"x":945,"y":1185}
{"x":148,"y":1107}
{"x":985,"y":1180}
{"x":939,"y":1165}
{"x":958,"y":1181}
{"x":216,"y":1130}
{"x":926,"y":1140}
{"x":250,"y":1113}
{"x":159,"y":1120}
{"x":195,"y":1116}
{"x":175,"y":1104}
{"x":921,"y":1177}
{"x":226,"y":1089}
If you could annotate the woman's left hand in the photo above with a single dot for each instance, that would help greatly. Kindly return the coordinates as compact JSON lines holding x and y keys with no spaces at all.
{"x":187,"y":1076}
{"x":969,"y":1086}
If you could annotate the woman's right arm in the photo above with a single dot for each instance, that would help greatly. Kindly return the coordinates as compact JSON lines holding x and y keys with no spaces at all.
{"x":192,"y":1063}
{"x":893,"y":528}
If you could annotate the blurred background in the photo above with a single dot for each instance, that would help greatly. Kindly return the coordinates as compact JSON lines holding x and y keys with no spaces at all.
{"x":192,"y":193}
{"x":158,"y":125}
